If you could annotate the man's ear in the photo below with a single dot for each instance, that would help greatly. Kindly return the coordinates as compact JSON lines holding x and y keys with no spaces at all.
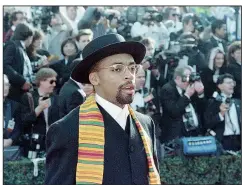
{"x":94,"y":78}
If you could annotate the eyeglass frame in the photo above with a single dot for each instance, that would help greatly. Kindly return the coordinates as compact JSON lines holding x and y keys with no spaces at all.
{"x":136,"y":65}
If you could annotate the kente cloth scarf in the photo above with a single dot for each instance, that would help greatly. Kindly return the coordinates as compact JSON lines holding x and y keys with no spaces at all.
{"x":90,"y":163}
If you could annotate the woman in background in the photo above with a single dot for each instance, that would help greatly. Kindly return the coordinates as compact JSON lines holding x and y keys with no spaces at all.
{"x":217,"y":65}
{"x":37,"y":56}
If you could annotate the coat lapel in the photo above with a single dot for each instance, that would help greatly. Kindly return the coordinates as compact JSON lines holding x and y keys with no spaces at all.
{"x":238,"y":110}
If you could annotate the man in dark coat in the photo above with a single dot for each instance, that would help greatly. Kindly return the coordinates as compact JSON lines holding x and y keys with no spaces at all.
{"x":222,"y":114}
{"x":109,"y":63}
{"x":71,"y":94}
{"x":12,"y":121}
{"x":16,"y":63}
{"x":183,"y":103}
{"x":40,"y":108}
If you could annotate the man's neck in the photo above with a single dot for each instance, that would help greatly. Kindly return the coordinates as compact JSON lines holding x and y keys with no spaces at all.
{"x":226,"y":95}
{"x":42,"y":93}
{"x":217,"y":37}
{"x":115,"y":103}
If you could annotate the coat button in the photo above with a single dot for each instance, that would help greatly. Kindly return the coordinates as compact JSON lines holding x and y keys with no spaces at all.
{"x":131,"y":148}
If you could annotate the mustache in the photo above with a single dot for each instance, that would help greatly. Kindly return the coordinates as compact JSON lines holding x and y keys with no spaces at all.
{"x":125,"y":84}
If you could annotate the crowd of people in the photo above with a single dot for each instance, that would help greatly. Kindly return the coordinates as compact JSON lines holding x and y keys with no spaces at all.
{"x":189,"y":82}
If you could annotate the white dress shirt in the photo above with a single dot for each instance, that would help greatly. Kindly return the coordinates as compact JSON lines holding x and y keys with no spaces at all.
{"x":231,"y":119}
{"x":81,"y":88}
{"x":119,"y":114}
{"x":138,"y":100}
{"x":220,"y":45}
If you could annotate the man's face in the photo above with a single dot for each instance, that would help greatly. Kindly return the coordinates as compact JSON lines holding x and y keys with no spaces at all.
{"x":180,"y":83}
{"x":6,"y":87}
{"x":56,"y":20}
{"x":227,"y":87}
{"x":71,"y":12}
{"x":221,"y":33}
{"x":189,"y":27}
{"x":84,"y":40}
{"x":20,"y":19}
{"x":219,"y":60}
{"x":115,"y":82}
{"x":237,"y":55}
{"x":150,"y":50}
{"x":48,"y":85}
{"x":114,"y":21}
{"x":145,"y":64}
{"x":140,"y":79}
{"x":173,"y":15}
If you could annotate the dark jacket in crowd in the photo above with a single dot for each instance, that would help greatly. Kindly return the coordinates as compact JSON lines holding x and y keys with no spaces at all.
{"x":11,"y":110}
{"x":69,"y":97}
{"x":124,"y":160}
{"x":235,"y":69}
{"x":207,"y":78}
{"x":213,"y":43}
{"x":8,"y":35}
{"x":32,"y":123}
{"x":198,"y":59}
{"x":63,"y":70}
{"x":173,"y":105}
{"x":13,"y":66}
{"x":212,"y":120}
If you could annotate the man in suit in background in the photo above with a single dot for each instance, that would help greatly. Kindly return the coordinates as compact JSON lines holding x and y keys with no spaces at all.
{"x":182,"y":100}
{"x":12,"y":121}
{"x":219,"y":30}
{"x":16,"y":18}
{"x":83,"y":38}
{"x":223,"y":114}
{"x":16,"y":63}
{"x":40,"y":108}
{"x":71,"y":94}
{"x":104,"y":136}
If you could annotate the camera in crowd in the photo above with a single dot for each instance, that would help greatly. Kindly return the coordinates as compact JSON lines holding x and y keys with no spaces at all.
{"x":197,"y":24}
{"x":194,"y":77}
{"x":124,"y":28}
{"x":188,"y":120}
{"x":167,"y":61}
{"x":41,"y":15}
{"x":219,"y":98}
{"x":154,"y":15}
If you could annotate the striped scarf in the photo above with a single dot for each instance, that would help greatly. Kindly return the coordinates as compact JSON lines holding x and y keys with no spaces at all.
{"x":90,"y":163}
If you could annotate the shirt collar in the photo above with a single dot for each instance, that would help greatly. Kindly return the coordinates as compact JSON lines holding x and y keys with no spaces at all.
{"x":116,"y":112}
{"x":226,"y":96}
{"x":13,"y":27}
{"x":216,"y":38}
{"x":179,"y":90}
{"x":78,"y":83}
{"x":22,"y":43}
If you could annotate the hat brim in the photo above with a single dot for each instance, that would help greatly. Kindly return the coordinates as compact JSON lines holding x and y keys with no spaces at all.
{"x":81,"y":72}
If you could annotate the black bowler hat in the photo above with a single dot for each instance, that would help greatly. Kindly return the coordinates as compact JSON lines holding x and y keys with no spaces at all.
{"x":103,"y":47}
